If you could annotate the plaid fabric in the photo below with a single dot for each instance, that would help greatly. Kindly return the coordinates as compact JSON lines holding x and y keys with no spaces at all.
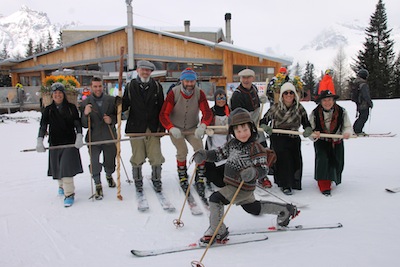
{"x":287,"y":118}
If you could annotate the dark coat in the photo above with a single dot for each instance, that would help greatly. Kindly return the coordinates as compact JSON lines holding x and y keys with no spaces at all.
{"x":63,"y":123}
{"x":99,"y":130}
{"x":144,"y":106}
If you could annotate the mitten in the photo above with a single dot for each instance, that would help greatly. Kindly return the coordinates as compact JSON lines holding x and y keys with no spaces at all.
{"x":200,"y":156}
{"x":263,"y":99}
{"x":307,"y":132}
{"x":79,"y":141}
{"x":39,"y":145}
{"x":266,"y":128}
{"x":175,"y":132}
{"x":248,"y":174}
{"x":200,"y":131}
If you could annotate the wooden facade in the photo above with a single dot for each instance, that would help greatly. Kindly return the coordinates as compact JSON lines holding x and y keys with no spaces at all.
{"x":149,"y":45}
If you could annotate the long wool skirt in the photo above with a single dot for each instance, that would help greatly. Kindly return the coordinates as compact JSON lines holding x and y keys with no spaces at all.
{"x":64,"y":162}
{"x":329,"y":161}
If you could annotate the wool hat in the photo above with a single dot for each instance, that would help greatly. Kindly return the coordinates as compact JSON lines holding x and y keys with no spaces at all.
{"x":288,"y":86}
{"x":188,"y":74}
{"x":326,"y":94}
{"x":239,"y":116}
{"x":58,"y":86}
{"x":219,"y":92}
{"x":144,"y":64}
{"x":247,"y":72}
{"x":283,"y":70}
{"x":363,"y":73}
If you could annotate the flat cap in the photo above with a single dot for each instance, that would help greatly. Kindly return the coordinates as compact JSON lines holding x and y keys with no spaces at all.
{"x":144,"y":64}
{"x":247,"y":72}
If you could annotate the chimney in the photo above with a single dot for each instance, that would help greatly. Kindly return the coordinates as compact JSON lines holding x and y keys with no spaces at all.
{"x":187,"y":27}
{"x":228,"y":18}
{"x":129,"y":31}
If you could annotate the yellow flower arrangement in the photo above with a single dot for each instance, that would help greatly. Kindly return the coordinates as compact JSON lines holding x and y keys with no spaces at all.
{"x":298,"y":83}
{"x":69,"y":82}
{"x":280,"y":80}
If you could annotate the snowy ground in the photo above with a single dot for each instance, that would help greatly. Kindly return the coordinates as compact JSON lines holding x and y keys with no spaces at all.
{"x":36,"y":230}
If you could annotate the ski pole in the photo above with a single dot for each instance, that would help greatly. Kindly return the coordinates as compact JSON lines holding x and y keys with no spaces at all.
{"x":90,"y":157}
{"x":178,"y":222}
{"x":123,"y":165}
{"x":198,"y":263}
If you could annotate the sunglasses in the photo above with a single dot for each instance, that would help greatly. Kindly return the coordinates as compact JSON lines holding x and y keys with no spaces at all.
{"x":221,"y":98}
{"x":288,"y":93}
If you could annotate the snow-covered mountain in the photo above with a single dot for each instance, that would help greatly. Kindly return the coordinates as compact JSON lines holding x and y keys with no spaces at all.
{"x":17,"y":28}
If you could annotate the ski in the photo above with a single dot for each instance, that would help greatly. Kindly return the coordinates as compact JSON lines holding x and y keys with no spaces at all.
{"x":274,"y":229}
{"x":264,"y":192}
{"x":393,"y":190}
{"x":388,"y":134}
{"x":194,"y":208}
{"x":143,"y":205}
{"x":164,"y":201}
{"x":234,"y":240}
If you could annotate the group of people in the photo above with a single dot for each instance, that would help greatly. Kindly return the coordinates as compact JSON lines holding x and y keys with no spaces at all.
{"x":235,"y":161}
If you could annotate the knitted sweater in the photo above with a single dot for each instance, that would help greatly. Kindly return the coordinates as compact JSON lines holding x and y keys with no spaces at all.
{"x":240,"y":156}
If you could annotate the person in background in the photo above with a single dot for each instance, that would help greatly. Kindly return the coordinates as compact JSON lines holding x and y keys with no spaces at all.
{"x":62,"y":121}
{"x":144,"y":97}
{"x":364,"y":102}
{"x":180,"y":116}
{"x":100,"y":107}
{"x":246,"y":161}
{"x":246,"y":96}
{"x":270,"y":91}
{"x":221,"y":110}
{"x":328,"y":117}
{"x":326,"y":83}
{"x":287,"y":114}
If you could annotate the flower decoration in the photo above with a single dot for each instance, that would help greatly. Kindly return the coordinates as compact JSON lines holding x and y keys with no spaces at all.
{"x":70,"y":82}
{"x":298,"y":83}
{"x":280,"y":80}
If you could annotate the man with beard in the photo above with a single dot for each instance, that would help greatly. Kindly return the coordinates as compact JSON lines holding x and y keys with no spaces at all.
{"x":180,"y":116}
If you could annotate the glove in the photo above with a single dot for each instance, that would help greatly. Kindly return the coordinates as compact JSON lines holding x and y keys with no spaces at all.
{"x":200,"y":156}
{"x":307,"y":132}
{"x":248,"y":174}
{"x":200,"y":131}
{"x":39,"y":145}
{"x":263,"y":99}
{"x":79,"y":141}
{"x":175,"y":132}
{"x":266,"y":128}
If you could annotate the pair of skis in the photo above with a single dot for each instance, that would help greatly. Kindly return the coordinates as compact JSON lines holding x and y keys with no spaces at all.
{"x":143,"y":204}
{"x":238,"y":237}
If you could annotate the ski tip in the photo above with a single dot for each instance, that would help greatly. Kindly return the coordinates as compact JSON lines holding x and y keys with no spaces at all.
{"x":340,"y":225}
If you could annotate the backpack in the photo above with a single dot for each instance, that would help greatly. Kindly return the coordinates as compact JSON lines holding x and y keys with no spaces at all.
{"x":354,"y":92}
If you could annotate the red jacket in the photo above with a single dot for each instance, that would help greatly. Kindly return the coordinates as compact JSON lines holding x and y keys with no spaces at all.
{"x":326,"y":84}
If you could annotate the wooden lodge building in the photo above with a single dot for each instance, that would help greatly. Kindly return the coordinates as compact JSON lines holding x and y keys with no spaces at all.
{"x":89,"y":53}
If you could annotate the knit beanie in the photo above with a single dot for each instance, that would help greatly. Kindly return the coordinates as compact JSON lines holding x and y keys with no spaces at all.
{"x":188,"y":74}
{"x":288,"y":86}
{"x":219,"y":92}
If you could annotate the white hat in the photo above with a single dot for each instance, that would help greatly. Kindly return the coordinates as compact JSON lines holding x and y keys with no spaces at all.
{"x":288,"y":86}
{"x":247,"y":72}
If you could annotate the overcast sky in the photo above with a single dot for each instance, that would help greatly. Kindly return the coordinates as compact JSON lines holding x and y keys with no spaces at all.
{"x":256,"y":24}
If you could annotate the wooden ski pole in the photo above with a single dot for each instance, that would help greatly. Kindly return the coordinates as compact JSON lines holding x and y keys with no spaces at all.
{"x":199,"y":263}
{"x":178,"y":222}
{"x":119,"y":120}
{"x":90,"y":157}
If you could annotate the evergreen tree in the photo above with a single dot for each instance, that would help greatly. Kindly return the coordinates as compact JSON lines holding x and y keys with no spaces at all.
{"x":50,"y":43}
{"x":297,"y":70}
{"x":4,"y":53}
{"x":309,"y":78}
{"x":39,"y":48}
{"x":29,"y":49}
{"x":59,"y":40}
{"x":396,"y":78}
{"x":377,"y":56}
